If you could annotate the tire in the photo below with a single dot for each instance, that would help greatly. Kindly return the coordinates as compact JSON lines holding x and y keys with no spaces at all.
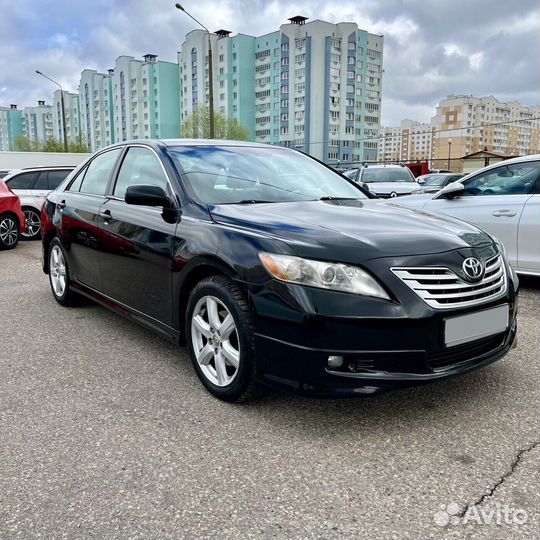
{"x":33,"y":223}
{"x":214,"y":344}
{"x":58,"y":267}
{"x":9,"y":231}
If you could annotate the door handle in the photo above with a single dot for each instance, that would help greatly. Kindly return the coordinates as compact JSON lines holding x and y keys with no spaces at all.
{"x":106,"y":215}
{"x":503,"y":213}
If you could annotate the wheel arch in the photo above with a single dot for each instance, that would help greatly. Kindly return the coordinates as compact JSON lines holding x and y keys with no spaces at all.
{"x":197,"y":270}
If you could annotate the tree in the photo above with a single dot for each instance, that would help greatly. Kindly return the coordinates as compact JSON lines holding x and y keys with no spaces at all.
{"x":52,"y":145}
{"x":24,"y":144}
{"x":197,"y":126}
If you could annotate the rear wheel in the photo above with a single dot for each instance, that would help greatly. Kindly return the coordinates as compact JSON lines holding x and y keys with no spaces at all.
{"x":59,"y":275}
{"x":33,"y":223}
{"x":220,"y":339}
{"x":9,"y":231}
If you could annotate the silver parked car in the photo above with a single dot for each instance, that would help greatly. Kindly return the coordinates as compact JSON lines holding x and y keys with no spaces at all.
{"x":503,"y":199}
{"x":32,"y":186}
{"x":433,"y":182}
{"x":384,"y":181}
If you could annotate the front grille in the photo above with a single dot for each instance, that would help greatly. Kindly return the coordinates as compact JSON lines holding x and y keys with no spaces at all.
{"x":461,"y":353}
{"x":441,"y":288}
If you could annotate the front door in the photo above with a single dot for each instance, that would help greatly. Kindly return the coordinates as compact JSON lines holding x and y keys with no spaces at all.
{"x":138,"y":241}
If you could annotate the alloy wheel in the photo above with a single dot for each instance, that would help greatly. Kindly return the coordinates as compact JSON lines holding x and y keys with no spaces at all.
{"x":215,"y":341}
{"x":33,"y":224}
{"x":8,"y":231}
{"x":57,"y":269}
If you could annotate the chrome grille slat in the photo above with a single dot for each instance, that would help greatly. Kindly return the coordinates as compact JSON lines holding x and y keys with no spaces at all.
{"x":441,"y":288}
{"x":457,"y":285}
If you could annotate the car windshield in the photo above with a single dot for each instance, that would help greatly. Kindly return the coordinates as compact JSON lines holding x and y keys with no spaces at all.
{"x":250,"y":174}
{"x":386,"y":174}
{"x":351,"y":174}
{"x":435,"y":179}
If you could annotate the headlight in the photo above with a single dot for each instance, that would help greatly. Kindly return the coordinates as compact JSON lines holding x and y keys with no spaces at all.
{"x":324,"y":275}
{"x":500,"y":246}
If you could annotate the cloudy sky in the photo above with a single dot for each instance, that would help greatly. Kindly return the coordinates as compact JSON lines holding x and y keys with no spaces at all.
{"x":432,"y":47}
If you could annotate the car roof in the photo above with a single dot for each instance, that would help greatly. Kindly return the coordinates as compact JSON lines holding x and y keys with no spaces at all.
{"x":194,"y":142}
{"x":383,"y":166}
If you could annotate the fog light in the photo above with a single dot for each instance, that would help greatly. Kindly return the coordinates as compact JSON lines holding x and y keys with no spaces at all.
{"x":335,"y":361}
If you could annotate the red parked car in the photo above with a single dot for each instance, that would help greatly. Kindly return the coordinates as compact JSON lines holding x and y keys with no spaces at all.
{"x":12,"y":221}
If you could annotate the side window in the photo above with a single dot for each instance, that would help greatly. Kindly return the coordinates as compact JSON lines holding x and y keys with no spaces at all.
{"x":56,"y":178}
{"x":97,"y":174}
{"x":140,"y":166}
{"x":41,"y":183}
{"x":516,"y":179}
{"x":23,"y":180}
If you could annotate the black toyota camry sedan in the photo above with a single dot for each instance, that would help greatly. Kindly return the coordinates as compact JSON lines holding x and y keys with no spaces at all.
{"x":276,"y":270}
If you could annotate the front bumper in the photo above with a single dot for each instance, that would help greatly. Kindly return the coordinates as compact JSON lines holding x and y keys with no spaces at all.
{"x":384,"y":345}
{"x":366,"y":373}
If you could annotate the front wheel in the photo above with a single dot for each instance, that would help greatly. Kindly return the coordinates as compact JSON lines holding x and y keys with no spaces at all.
{"x":9,"y":231}
{"x":220,"y":339}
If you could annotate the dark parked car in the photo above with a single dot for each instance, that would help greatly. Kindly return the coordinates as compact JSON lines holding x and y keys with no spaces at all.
{"x":277,"y":270}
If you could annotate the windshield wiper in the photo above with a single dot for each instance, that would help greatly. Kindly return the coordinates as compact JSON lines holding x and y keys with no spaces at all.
{"x":330,"y":198}
{"x":252,"y":201}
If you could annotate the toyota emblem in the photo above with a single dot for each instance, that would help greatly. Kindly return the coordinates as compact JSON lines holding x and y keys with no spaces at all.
{"x":473,"y":268}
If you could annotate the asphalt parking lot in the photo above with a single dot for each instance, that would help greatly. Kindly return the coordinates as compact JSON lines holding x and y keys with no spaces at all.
{"x":105,"y":432}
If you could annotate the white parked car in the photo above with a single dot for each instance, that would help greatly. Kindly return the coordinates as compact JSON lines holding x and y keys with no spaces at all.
{"x":384,"y":181}
{"x":503,"y":199}
{"x":32,"y":186}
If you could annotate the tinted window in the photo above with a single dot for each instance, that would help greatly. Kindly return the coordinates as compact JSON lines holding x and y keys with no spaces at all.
{"x":435,"y":179}
{"x":56,"y":178}
{"x":42,"y":181}
{"x":229,"y":174}
{"x":97,"y":174}
{"x":23,"y":180}
{"x":384,"y":174}
{"x":140,"y":166}
{"x":517,"y":179}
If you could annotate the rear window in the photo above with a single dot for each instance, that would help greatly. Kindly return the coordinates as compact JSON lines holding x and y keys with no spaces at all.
{"x":23,"y":180}
{"x":56,"y":178}
{"x":383,"y":174}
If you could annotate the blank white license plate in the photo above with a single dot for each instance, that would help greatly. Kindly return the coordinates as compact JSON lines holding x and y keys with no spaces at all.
{"x":477,"y":325}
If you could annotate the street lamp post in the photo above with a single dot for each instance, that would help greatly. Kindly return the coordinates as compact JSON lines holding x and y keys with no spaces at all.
{"x":449,"y":146}
{"x":210,"y":69}
{"x":63,"y":108}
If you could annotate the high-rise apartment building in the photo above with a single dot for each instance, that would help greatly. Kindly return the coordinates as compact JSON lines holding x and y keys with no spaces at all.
{"x":72,"y":114}
{"x":145,"y":98}
{"x":10,"y":127}
{"x":314,"y":86}
{"x":411,"y":141}
{"x":96,"y":105}
{"x":37,"y":122}
{"x":466,"y":124}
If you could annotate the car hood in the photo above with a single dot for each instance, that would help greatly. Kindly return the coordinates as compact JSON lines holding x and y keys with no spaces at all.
{"x":352,"y":230}
{"x":385,"y":188}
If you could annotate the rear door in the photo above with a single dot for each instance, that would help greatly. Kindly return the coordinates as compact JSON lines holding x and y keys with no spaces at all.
{"x":137,"y":240}
{"x":529,"y":228}
{"x":494,"y":200}
{"x":78,"y":212}
{"x":23,"y":183}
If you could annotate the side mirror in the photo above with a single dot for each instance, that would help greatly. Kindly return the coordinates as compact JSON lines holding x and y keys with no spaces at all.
{"x":143,"y":195}
{"x":421,"y":181}
{"x":451,"y":190}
